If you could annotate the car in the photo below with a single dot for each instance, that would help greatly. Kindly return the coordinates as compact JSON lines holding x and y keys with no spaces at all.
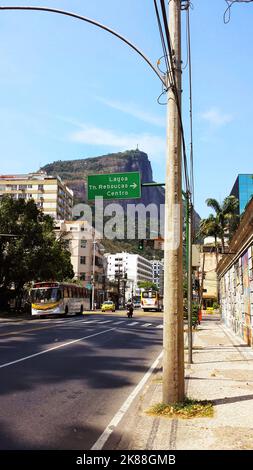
{"x":108,"y":305}
{"x":137,"y":304}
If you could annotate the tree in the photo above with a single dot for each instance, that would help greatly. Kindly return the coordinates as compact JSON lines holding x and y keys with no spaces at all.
{"x":226,"y":216}
{"x":33,"y":253}
{"x":147,"y":285}
{"x":209,"y":227}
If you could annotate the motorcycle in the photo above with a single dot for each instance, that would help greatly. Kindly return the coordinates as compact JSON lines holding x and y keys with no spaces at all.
{"x":130,"y":311}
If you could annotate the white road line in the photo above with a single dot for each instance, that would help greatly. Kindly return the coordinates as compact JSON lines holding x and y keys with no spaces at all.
{"x":106,"y":321}
{"x":90,"y":321}
{"x":118,"y":322}
{"x":55,"y":347}
{"x":133,"y":323}
{"x":146,"y":324}
{"x":99,"y":444}
{"x":160,"y":326}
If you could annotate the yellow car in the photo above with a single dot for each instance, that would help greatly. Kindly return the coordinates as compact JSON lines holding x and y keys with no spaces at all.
{"x":108,"y":305}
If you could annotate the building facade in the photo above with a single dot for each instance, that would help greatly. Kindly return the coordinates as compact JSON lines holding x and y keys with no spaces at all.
{"x":87,"y":255}
{"x":50,"y":194}
{"x":243,"y":190}
{"x":235,"y":272}
{"x":132,"y":267}
{"x":158,"y":274}
{"x":207,"y":275}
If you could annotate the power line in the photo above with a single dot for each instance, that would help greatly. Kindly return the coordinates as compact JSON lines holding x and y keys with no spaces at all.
{"x":172,"y":78}
{"x":191,"y":122}
{"x":165,"y":52}
{"x":230,"y":3}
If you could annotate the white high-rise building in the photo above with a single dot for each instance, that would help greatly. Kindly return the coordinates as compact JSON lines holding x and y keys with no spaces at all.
{"x":134,"y":268}
{"x":158,"y":274}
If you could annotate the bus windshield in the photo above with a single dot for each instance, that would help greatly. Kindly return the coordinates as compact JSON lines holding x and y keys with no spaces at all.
{"x":45,"y":295}
{"x":149,"y":295}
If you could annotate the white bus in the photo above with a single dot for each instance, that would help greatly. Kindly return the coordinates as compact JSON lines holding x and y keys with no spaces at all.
{"x":59,"y":298}
{"x":151,"y":300}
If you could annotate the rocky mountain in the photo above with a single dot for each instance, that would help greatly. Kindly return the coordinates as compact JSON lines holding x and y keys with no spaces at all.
{"x":74,"y":174}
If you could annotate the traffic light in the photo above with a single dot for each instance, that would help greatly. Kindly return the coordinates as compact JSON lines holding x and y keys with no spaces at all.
{"x":141,"y":245}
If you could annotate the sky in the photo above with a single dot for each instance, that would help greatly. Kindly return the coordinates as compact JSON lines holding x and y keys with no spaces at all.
{"x":70,"y":90}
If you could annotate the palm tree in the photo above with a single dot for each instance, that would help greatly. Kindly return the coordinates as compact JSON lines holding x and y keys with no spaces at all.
{"x":209,"y":228}
{"x":226,"y":216}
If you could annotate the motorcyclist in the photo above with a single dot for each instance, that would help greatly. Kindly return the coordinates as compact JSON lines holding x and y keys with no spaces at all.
{"x":130,"y":309}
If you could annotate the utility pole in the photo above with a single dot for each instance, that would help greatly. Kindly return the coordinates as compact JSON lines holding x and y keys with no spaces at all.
{"x":173,"y":361}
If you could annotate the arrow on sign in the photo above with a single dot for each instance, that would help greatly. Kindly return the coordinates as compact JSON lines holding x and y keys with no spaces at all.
{"x":134,"y":185}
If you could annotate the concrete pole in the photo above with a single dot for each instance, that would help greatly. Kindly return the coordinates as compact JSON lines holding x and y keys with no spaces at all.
{"x":189,"y":278}
{"x":173,"y":361}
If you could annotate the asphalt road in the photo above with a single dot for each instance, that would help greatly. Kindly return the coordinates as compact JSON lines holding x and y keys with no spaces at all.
{"x":62,"y":380}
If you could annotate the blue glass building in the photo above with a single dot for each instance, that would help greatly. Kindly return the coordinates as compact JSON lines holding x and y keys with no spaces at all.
{"x":243,"y":190}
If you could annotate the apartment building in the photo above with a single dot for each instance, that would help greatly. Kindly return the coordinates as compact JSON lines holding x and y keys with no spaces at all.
{"x":50,"y":194}
{"x":87,"y":254}
{"x":133,"y":267}
{"x":158,"y":274}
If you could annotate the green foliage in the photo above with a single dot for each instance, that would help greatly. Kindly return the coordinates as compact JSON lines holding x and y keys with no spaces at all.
{"x":34,"y":253}
{"x":226,"y":218}
{"x":216,"y":306}
{"x":147,"y":285}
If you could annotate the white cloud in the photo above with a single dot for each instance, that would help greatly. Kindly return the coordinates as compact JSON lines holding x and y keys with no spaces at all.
{"x":215,"y":117}
{"x":90,"y":135}
{"x":133,"y":110}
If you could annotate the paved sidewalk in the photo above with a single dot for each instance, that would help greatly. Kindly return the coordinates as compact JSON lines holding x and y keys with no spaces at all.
{"x":222,"y":372}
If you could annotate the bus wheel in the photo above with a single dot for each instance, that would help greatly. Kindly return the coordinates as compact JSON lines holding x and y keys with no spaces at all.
{"x":66,"y":311}
{"x":81,"y":310}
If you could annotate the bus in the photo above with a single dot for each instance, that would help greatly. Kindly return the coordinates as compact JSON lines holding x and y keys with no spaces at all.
{"x":58,"y":298}
{"x":151,"y":300}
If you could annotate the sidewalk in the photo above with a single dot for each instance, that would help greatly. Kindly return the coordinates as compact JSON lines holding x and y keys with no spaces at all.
{"x":222,"y":372}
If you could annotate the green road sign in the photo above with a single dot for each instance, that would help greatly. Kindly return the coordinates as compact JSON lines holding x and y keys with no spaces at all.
{"x":115,"y":186}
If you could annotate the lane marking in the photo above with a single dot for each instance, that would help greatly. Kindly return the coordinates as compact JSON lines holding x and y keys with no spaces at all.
{"x":67,"y":322}
{"x":133,"y":323}
{"x":119,"y":322}
{"x":106,"y":321}
{"x":160,"y":326}
{"x":99,"y":444}
{"x":25,"y":331}
{"x":90,"y":321}
{"x":55,"y":347}
{"x":147,"y":324}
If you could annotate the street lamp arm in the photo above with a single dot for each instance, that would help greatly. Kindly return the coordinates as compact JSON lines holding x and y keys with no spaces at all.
{"x":95,"y":23}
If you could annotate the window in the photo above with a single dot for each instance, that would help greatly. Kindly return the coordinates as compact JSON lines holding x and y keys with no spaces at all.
{"x":82,"y":276}
{"x":82,"y":259}
{"x":65,"y":292}
{"x":83,"y":243}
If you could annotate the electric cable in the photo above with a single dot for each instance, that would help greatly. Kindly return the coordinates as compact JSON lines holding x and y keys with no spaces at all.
{"x":167,"y":34}
{"x":230,"y":3}
{"x":191,"y":120}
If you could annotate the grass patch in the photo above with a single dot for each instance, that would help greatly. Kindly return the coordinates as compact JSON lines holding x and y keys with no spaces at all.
{"x":186,"y":410}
